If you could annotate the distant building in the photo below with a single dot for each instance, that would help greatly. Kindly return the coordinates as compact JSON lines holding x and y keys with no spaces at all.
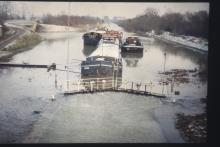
{"x":1,"y":31}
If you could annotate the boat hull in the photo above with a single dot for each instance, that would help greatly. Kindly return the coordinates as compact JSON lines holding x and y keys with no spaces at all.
{"x":132,"y":49}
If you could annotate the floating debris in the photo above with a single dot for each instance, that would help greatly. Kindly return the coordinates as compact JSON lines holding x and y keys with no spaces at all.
{"x":36,"y":112}
{"x":179,"y":75}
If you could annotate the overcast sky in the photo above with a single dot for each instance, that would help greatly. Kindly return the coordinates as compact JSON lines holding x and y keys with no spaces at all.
{"x":101,"y":9}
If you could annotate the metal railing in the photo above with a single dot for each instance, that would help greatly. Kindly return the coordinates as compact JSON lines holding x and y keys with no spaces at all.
{"x":110,"y":83}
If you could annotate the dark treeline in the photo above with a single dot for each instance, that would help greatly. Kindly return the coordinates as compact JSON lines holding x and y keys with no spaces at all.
{"x":73,"y":20}
{"x":194,"y":24}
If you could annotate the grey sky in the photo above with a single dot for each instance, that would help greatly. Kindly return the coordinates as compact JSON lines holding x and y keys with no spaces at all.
{"x":110,"y":9}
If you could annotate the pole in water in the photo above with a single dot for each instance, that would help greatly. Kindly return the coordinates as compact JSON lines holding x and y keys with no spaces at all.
{"x":145,"y":88}
{"x":55,"y":80}
{"x":172,"y":84}
{"x":164,"y":71}
{"x":132,"y":85}
{"x":164,"y":62}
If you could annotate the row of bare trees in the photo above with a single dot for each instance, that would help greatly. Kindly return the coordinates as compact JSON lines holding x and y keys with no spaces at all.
{"x":73,"y":20}
{"x":190,"y":23}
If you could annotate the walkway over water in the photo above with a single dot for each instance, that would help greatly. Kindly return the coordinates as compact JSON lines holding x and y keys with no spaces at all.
{"x":129,"y":91}
{"x":110,"y":84}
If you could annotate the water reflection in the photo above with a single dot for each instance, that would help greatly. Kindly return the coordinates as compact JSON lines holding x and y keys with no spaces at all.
{"x":196,"y":57}
{"x":132,"y":59}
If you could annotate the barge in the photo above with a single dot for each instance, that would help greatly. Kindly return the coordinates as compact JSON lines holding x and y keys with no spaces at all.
{"x":104,"y":66}
{"x":132,"y":44}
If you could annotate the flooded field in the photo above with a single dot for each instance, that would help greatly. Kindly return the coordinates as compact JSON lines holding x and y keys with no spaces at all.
{"x":27,"y":113}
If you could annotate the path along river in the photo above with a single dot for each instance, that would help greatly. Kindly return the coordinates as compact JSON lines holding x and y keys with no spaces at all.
{"x":28,"y":115}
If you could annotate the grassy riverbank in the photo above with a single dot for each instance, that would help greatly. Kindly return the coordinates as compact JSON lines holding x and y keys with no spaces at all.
{"x":23,"y":43}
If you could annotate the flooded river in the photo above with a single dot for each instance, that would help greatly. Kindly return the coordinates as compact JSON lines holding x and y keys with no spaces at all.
{"x":27,"y":113}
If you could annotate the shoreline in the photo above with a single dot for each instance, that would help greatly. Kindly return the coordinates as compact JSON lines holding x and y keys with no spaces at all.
{"x":179,"y":44}
{"x":24,"y":43}
{"x":173,"y":43}
{"x":6,"y":55}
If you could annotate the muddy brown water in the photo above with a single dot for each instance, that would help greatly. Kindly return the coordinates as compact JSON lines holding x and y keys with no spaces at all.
{"x":102,"y":117}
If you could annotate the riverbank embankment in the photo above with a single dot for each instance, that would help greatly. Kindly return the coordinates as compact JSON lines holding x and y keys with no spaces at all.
{"x":23,"y":43}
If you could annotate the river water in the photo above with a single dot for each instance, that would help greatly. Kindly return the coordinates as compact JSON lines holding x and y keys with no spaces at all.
{"x":27,"y":113}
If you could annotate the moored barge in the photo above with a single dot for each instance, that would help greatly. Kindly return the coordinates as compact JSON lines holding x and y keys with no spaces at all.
{"x":132,"y":44}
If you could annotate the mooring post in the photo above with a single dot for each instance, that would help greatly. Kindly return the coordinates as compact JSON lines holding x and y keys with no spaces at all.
{"x":145,"y":88}
{"x":132,"y":86}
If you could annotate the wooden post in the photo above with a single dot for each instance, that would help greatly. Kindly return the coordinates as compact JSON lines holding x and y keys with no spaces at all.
{"x":132,"y":86}
{"x":145,"y":87}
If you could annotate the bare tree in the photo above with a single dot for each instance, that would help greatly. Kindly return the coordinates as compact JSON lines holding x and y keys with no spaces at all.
{"x":195,"y":24}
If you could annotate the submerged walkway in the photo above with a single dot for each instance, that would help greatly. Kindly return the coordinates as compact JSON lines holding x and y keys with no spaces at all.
{"x":122,"y":90}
